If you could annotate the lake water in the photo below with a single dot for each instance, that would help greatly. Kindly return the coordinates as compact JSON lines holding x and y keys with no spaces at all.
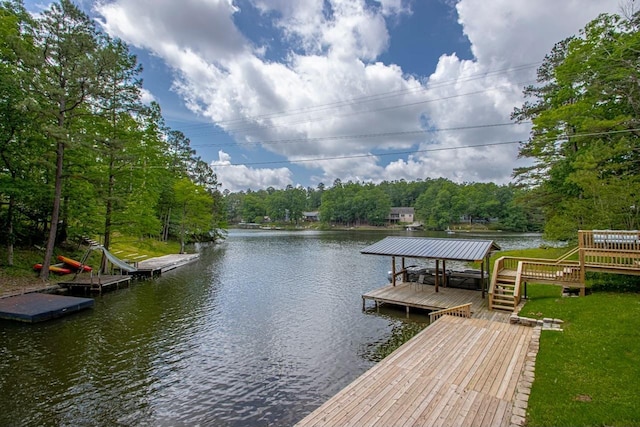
{"x":263,"y":329}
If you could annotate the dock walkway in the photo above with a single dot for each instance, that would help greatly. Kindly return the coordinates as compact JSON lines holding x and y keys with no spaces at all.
{"x":458,"y":371}
{"x":96,"y":283}
{"x":156,"y":266}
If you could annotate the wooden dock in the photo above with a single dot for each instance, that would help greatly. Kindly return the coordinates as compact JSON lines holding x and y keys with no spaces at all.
{"x":457,"y":372}
{"x":155,"y":266}
{"x":93,"y":283}
{"x":409,"y":294}
{"x":37,"y":307}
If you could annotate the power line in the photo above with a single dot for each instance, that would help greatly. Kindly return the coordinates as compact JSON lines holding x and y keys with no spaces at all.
{"x":399,"y":153}
{"x":358,"y":156}
{"x":354,"y":113}
{"x":246,"y":121}
{"x":362,"y":136}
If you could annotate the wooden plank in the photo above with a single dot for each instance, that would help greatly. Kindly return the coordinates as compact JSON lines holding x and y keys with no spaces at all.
{"x":448,"y":374}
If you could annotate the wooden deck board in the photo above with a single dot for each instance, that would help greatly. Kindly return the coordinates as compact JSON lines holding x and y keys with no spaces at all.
{"x":425,"y":297}
{"x":158,"y":265}
{"x":456,"y":372}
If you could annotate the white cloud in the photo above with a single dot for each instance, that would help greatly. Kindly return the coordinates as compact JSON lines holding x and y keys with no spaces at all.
{"x":147,"y":96}
{"x":331,"y":85}
{"x":240,"y":177}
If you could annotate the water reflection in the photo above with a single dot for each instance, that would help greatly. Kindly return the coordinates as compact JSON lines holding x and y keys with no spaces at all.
{"x":260,"y":331}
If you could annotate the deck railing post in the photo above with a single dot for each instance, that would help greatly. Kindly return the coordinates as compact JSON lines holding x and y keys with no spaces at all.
{"x":581,"y":255}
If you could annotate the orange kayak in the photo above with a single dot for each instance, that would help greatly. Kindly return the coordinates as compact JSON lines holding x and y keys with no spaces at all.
{"x":58,"y":269}
{"x":73,"y":263}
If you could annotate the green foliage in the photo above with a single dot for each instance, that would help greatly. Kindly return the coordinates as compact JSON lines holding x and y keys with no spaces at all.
{"x":587,"y":374}
{"x":600,"y":282}
{"x":584,"y":140}
{"x":353,"y":204}
{"x":438,"y":203}
{"x":79,"y":152}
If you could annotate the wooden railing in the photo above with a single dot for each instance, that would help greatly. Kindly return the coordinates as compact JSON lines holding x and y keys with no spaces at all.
{"x":516,"y":289}
{"x":610,"y":250}
{"x":559,"y":271}
{"x":546,"y":272}
{"x":498,"y":265}
{"x":463,"y":310}
{"x":609,"y":239}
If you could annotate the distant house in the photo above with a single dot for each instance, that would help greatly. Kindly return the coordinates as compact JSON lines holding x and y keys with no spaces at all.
{"x":401,"y":215}
{"x":311,"y":216}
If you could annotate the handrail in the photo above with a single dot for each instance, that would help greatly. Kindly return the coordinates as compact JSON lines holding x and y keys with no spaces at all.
{"x":497,"y":266}
{"x":610,"y":239}
{"x":560,"y":273}
{"x":568,"y":254}
{"x":463,"y":310}
{"x":516,"y":289}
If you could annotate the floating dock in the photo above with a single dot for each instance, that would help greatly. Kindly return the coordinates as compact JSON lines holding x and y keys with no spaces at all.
{"x":457,"y":372}
{"x":37,"y":307}
{"x":156,"y":266}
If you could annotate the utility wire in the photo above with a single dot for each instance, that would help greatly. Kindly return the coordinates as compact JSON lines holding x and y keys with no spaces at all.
{"x":361,"y":136}
{"x":398,"y":153}
{"x":379,"y":96}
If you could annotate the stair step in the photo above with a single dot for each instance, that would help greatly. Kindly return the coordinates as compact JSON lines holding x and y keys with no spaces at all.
{"x":502,"y":283}
{"x":503,"y":297}
{"x":502,"y":307}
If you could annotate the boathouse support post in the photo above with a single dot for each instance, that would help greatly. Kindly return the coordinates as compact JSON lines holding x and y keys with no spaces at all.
{"x":404,"y":271}
{"x":483,"y":285}
{"x":393,"y":270}
{"x":437,"y":274}
{"x":445,"y":279}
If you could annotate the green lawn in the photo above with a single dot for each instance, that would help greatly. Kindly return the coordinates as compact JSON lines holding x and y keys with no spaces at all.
{"x":587,"y":375}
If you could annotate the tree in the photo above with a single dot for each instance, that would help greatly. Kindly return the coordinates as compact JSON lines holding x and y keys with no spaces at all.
{"x":64,"y":78}
{"x":117,"y":98}
{"x":584,"y":141}
{"x":17,"y":124}
{"x":193,"y":210}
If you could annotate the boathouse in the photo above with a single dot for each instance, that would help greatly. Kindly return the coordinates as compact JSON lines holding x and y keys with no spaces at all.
{"x":413,"y":293}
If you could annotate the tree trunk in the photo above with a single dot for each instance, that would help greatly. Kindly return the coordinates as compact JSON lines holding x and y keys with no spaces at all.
{"x":55,"y":214}
{"x":11,"y":237}
{"x":107,"y":216}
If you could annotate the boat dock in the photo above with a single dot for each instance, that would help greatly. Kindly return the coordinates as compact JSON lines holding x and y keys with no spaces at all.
{"x":425,"y":297}
{"x":96,"y":283}
{"x":458,"y":371}
{"x":37,"y":307}
{"x":155,"y":266}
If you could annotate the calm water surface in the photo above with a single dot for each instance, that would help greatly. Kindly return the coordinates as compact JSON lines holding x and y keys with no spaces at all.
{"x":260,"y":331}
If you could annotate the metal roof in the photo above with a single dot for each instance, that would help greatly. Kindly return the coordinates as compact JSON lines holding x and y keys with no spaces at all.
{"x":432,"y":248}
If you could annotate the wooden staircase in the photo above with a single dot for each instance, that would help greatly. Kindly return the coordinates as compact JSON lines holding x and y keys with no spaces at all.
{"x":510,"y":273}
{"x":502,"y":294}
{"x":606,"y":251}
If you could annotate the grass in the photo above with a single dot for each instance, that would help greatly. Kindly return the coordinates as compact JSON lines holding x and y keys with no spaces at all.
{"x":21,"y":273}
{"x":588,"y":374}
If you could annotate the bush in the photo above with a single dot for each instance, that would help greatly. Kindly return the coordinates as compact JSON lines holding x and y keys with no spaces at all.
{"x":600,"y":282}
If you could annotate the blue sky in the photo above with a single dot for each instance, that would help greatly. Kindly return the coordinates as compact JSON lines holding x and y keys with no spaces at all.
{"x":283,"y":92}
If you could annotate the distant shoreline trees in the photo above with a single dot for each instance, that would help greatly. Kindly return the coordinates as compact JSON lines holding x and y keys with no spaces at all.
{"x":438,"y":203}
